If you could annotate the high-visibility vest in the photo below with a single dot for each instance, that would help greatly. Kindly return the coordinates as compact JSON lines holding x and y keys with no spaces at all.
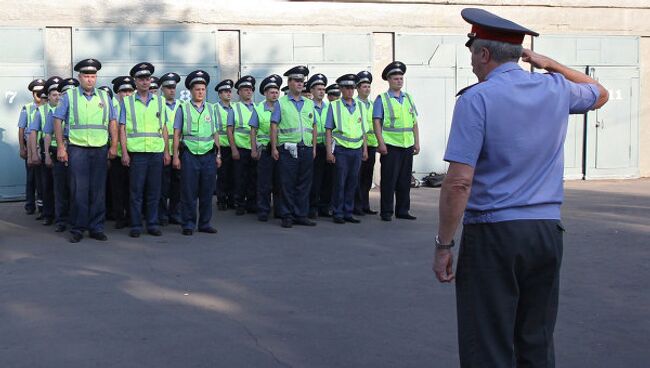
{"x":30,"y":112}
{"x":222,"y":124}
{"x":88,"y":119}
{"x":241,"y":129}
{"x":371,"y":138}
{"x":349,"y":128}
{"x":144,"y":124}
{"x":264,"y":123}
{"x":171,"y":118}
{"x":320,"y":122}
{"x":44,"y":111}
{"x":399,"y":119}
{"x":198,"y":128}
{"x":296,"y":126}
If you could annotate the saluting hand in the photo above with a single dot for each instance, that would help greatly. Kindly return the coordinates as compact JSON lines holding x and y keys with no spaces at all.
{"x":442,"y":265}
{"x":537,"y":60}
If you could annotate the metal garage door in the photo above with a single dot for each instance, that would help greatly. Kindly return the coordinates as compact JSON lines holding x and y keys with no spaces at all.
{"x":333,"y":54}
{"x":180,"y":51}
{"x":22,"y":61}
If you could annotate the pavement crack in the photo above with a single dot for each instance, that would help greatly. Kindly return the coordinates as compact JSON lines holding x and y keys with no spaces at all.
{"x":262,"y":347}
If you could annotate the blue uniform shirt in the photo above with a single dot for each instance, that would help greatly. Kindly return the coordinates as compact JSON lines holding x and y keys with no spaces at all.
{"x":230,"y":114}
{"x":276,"y":116}
{"x":329,"y":121}
{"x":254,"y":119}
{"x":511,"y":129}
{"x":48,"y":128}
{"x":122,"y":117}
{"x":378,"y":106}
{"x":36,"y":122}
{"x":178,"y":119}
{"x":63,"y":108}
{"x":22,"y":120}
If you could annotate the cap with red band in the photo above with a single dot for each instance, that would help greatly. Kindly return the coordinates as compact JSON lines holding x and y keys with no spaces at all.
{"x":487,"y":26}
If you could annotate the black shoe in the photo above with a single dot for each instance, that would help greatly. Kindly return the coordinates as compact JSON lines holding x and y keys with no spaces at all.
{"x":188,"y":232}
{"x":134,"y":233}
{"x":313,"y":214}
{"x":154,"y":232}
{"x":99,"y":236}
{"x":75,"y":237}
{"x":60,"y":228}
{"x":30,"y":211}
{"x":368,"y":211}
{"x":251,"y":210}
{"x":324,"y":213}
{"x":287,"y":223}
{"x":209,"y":230}
{"x":387,"y":218}
{"x":352,"y":220}
{"x":174,"y":221}
{"x":48,"y":222}
{"x":358,"y":212}
{"x":164,"y":222}
{"x":121,"y":224}
{"x":338,"y":220}
{"x":304,"y":222}
{"x":263,"y":218}
{"x":406,"y":217}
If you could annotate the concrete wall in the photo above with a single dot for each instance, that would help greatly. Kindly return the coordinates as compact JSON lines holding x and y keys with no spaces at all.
{"x":602,"y":17}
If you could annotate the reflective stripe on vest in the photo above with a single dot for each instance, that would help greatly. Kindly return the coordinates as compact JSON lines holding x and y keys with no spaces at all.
{"x":320,"y":122}
{"x":241,"y":129}
{"x":398,"y":130}
{"x":88,"y":133}
{"x":171,"y":117}
{"x":144,"y":138}
{"x":198,"y":142}
{"x":222,"y":120}
{"x":349,"y":132}
{"x":263,"y":123}
{"x":294,"y":121}
{"x":367,"y":113}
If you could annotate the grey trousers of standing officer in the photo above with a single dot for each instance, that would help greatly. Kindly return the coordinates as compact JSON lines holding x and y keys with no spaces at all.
{"x":396,"y":171}
{"x":507,"y":287}
{"x":296,"y":176}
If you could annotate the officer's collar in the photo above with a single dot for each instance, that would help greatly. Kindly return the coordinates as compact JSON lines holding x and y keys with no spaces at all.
{"x":503,"y":68}
{"x":83,"y":91}
{"x":197,"y":106}
{"x":171,"y":104}
{"x":348,"y":104}
{"x":224,"y":106}
{"x":300,"y":98}
{"x":149,"y":97}
{"x":391,"y":94}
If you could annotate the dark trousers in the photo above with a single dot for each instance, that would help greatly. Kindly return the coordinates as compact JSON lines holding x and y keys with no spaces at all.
{"x":119,"y":180}
{"x":87,"y":167}
{"x":396,"y":171}
{"x":245,"y":180}
{"x":268,"y":182}
{"x":33,"y":198}
{"x":296,"y":175}
{"x":170,"y":196}
{"x":362,"y":198}
{"x":47,"y":189}
{"x":348,"y":162}
{"x":507,"y":285}
{"x":321,"y":187}
{"x":61,"y":192}
{"x":225,"y":175}
{"x":197,"y":182}
{"x":144,"y":188}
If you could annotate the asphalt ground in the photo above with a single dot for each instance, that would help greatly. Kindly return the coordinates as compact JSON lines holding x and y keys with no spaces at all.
{"x":258,"y":295}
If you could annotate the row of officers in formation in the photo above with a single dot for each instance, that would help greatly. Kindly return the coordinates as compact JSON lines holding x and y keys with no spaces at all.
{"x":136,"y":154}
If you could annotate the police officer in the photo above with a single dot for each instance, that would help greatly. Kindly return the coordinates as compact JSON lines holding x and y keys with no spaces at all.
{"x":321,"y":186}
{"x":333,"y":92}
{"x":25,"y":118}
{"x":346,"y":147}
{"x":260,"y":123}
{"x":293,"y":143}
{"x":59,"y":169}
{"x":244,"y":166}
{"x":144,"y":140}
{"x":306,"y":93}
{"x":154,"y":86}
{"x":225,"y":117}
{"x":118,"y":173}
{"x":362,"y":198}
{"x":396,"y":129}
{"x":40,"y":157}
{"x":505,"y":172}
{"x":169,"y":210}
{"x":90,"y":115}
{"x":199,"y":156}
